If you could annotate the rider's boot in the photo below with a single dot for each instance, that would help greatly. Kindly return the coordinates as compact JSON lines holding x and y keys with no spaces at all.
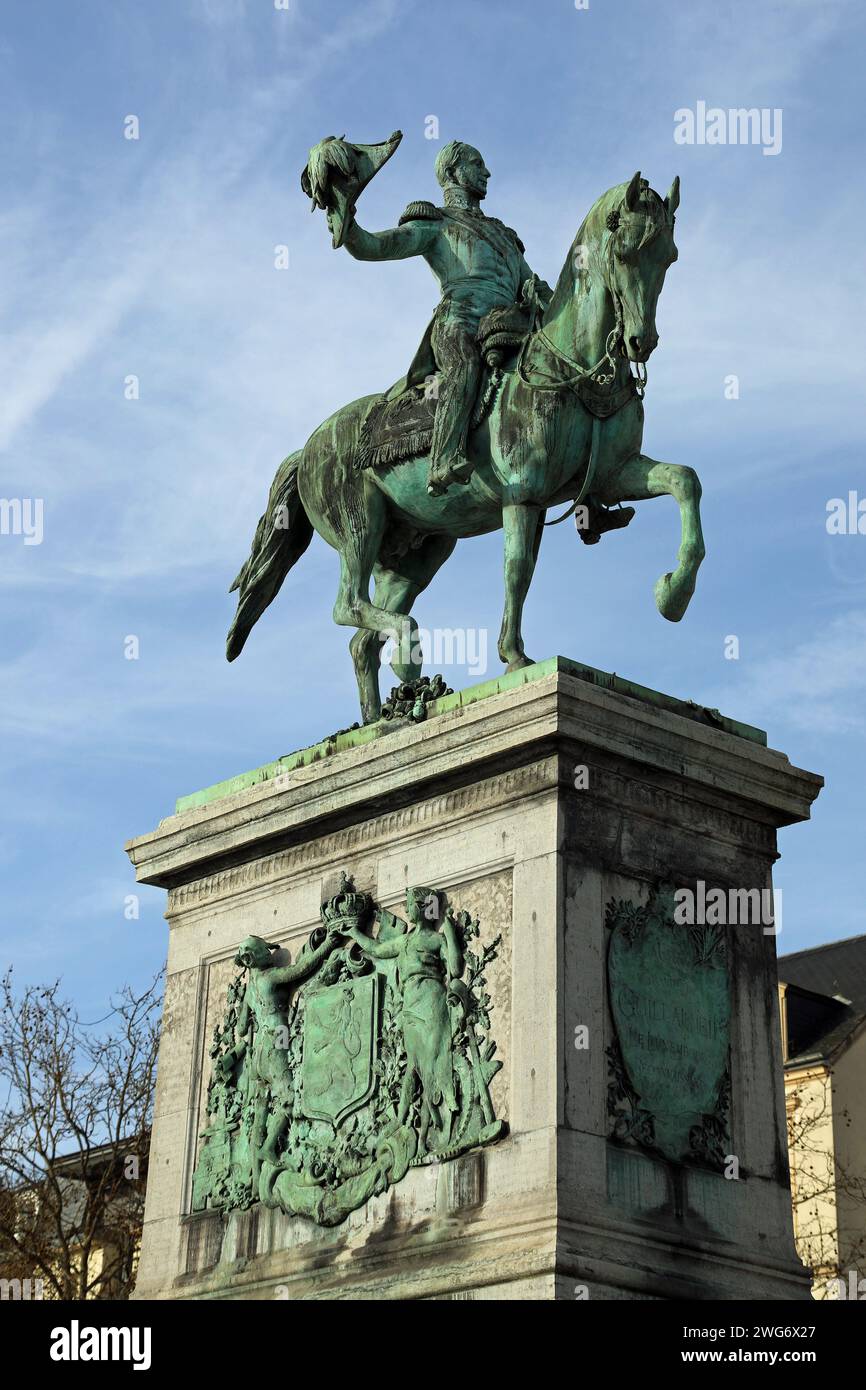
{"x":445,"y":471}
{"x":601,"y":519}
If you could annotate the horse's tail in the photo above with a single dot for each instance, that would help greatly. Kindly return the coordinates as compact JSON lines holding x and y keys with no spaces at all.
{"x":282,"y":536}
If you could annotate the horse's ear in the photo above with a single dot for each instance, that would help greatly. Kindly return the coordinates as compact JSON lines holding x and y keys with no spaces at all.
{"x":632,"y":193}
{"x":672,"y":201}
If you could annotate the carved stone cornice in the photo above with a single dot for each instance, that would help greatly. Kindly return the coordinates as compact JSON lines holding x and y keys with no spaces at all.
{"x":381,"y":831}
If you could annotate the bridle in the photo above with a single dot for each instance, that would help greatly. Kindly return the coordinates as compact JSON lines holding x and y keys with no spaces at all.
{"x":597,"y":375}
{"x":614,"y":343}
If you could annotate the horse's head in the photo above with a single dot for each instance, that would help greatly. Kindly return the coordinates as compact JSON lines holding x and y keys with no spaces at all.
{"x":635,"y":257}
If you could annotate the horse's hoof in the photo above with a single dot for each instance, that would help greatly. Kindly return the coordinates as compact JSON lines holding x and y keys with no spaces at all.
{"x":672,"y":601}
{"x":518,"y":664}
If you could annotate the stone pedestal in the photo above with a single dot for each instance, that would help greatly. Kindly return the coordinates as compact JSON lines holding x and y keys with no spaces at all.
{"x":552,"y":804}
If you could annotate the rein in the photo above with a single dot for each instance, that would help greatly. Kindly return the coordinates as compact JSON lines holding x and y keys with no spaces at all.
{"x":590,"y":470}
{"x":595,"y":374}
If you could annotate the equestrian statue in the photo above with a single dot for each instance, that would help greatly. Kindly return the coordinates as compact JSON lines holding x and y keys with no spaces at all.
{"x":520,"y":398}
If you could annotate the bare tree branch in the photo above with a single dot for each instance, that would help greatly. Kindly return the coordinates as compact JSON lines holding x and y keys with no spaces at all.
{"x":74,"y":1136}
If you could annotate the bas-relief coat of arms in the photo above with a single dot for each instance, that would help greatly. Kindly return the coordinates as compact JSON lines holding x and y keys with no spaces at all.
{"x":669,"y":1061}
{"x":369,"y":1054}
{"x":339,"y":1058}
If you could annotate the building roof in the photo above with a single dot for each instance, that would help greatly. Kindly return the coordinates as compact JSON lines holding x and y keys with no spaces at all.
{"x":825,"y":998}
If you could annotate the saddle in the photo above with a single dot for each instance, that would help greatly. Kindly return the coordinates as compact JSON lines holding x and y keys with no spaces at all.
{"x":400,"y":426}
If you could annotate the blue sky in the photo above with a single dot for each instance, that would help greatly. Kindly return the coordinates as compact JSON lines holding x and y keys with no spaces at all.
{"x":155,"y":258}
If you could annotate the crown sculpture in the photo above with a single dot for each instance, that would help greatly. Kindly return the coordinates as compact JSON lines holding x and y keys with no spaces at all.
{"x":346,"y":909}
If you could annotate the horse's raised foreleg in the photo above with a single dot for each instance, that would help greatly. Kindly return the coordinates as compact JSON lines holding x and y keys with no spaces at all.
{"x":643,"y":477}
{"x":523,"y":532}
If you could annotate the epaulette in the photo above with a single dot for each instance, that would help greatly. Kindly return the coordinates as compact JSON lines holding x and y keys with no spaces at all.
{"x":511,"y":232}
{"x":421,"y":209}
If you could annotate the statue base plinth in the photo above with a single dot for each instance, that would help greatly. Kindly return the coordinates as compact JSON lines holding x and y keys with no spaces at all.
{"x":553,"y":805}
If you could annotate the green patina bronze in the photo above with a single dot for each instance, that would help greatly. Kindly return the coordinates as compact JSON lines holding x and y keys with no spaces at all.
{"x":520,"y":398}
{"x":370,"y":1053}
{"x":669,"y":1086}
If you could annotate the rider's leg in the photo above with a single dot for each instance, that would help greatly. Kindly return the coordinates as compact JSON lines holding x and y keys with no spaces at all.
{"x":459,"y":361}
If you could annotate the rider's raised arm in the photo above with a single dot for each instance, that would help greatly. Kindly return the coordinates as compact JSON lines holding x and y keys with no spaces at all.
{"x":413,"y":238}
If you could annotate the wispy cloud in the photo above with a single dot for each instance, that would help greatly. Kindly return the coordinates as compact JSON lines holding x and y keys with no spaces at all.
{"x":819,"y":683}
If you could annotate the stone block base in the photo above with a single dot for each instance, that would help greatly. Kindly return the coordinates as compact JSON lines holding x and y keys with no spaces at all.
{"x":554,"y":805}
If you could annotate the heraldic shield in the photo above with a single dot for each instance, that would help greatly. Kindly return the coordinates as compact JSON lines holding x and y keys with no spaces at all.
{"x":339,"y":1057}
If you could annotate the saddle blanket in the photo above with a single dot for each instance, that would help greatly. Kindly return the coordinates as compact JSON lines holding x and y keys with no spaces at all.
{"x":402,"y":428}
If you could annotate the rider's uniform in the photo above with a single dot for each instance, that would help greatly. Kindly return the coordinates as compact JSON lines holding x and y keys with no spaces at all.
{"x":480,"y":265}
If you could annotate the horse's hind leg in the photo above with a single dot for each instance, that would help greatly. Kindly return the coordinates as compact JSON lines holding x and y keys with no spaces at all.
{"x":643,"y":477}
{"x":396,"y":590}
{"x":359,"y":542}
{"x":354,"y":609}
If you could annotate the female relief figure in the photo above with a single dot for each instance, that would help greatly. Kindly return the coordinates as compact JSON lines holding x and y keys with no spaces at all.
{"x":428,"y":959}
